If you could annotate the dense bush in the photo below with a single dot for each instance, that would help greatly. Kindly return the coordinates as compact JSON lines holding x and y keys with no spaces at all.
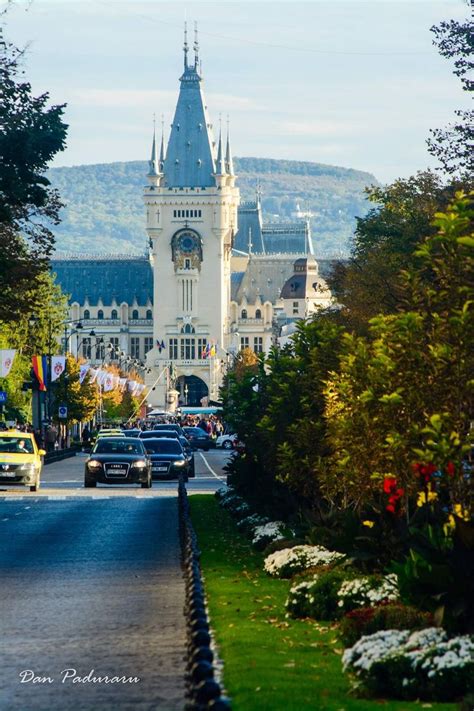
{"x":289,"y":561}
{"x":391,"y":616}
{"x":424,"y":665}
{"x":318,"y":598}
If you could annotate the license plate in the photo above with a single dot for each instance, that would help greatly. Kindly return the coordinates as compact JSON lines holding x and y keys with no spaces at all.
{"x":118,"y":472}
{"x":6,"y":474}
{"x":160,"y":469}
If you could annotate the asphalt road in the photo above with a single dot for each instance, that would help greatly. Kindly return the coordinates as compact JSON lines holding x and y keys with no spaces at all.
{"x":90,"y":582}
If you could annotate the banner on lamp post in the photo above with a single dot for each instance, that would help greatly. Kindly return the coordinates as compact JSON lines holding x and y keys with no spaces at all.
{"x":6,"y":361}
{"x":83,"y":370}
{"x":58,"y":366}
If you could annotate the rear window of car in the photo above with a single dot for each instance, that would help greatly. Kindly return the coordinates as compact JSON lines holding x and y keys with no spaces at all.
{"x":169,"y":426}
{"x":163,"y":446}
{"x":16,"y":445}
{"x":118,"y":446}
{"x":195,"y":430}
{"x":158,"y":433}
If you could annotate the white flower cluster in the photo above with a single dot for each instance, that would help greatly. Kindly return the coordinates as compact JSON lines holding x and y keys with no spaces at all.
{"x":251,"y":522}
{"x":301,"y":593}
{"x":272,"y":531}
{"x":433,"y":665}
{"x":288,"y":561}
{"x":367,"y":591}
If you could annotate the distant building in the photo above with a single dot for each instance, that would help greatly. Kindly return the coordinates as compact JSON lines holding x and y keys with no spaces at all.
{"x":218,"y":278}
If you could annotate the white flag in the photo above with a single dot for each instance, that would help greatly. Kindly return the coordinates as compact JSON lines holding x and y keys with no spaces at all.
{"x":83,"y":370}
{"x":132,"y":384}
{"x":6,"y":361}
{"x":58,"y":365}
{"x":93,"y":372}
{"x":122,"y":383}
{"x":140,"y":389}
{"x":108,"y":383}
{"x":101,"y":376}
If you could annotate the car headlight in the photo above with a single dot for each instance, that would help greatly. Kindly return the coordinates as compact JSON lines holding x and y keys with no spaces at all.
{"x":139,"y":463}
{"x":26,"y":467}
{"x":179,"y":463}
{"x":94,"y":464}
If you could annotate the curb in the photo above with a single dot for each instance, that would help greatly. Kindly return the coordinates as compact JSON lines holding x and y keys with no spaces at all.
{"x":51,"y":457}
{"x":202,"y":691}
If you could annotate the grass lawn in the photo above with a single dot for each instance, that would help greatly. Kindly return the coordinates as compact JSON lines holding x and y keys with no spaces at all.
{"x":270,"y":662}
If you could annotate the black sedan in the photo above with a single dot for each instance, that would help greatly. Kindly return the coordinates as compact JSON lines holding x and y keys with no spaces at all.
{"x":197,"y":438}
{"x":168,"y":458}
{"x":118,"y":460}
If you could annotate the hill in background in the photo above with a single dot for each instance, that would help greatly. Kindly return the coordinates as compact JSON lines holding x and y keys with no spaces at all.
{"x":104,"y":211}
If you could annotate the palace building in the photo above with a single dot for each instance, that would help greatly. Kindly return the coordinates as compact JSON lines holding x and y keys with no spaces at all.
{"x":216,"y":279}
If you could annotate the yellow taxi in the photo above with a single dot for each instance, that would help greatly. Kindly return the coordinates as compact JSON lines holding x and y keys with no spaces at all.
{"x":20,"y":459}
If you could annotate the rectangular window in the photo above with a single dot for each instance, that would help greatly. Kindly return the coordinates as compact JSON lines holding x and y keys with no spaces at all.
{"x":86,"y":348}
{"x":174,"y":213}
{"x":187,"y":213}
{"x":189,"y":348}
{"x":258,"y":344}
{"x":100,"y":351}
{"x":174,"y":348}
{"x":135,"y":347}
{"x":295,"y":304}
{"x":244,"y":342}
{"x":202,"y":343}
{"x":199,"y":213}
{"x":148,"y":343}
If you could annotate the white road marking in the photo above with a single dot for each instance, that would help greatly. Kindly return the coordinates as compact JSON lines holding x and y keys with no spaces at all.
{"x":210,"y":469}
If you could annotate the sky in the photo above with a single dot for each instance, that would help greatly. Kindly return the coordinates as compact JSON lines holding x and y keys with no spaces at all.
{"x":343,"y":82}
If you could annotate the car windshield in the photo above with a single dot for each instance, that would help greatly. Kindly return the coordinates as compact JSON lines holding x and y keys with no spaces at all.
{"x":118,"y":446}
{"x":16,"y":445}
{"x":163,"y":446}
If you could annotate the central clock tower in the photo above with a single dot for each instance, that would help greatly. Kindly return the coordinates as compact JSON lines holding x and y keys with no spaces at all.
{"x":191,"y":202}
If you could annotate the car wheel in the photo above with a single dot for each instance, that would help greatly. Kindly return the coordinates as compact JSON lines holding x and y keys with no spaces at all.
{"x":89,"y":483}
{"x":227,"y":444}
{"x":35,"y":487}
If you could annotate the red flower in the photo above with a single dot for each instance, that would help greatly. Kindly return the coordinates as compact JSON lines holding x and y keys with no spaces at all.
{"x":425,"y":471}
{"x":451,"y":469}
{"x":390,"y":508}
{"x":389,"y":484}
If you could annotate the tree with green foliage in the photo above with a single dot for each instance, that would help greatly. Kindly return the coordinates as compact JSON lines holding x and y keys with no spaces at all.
{"x":31,"y":134}
{"x":405,"y":393}
{"x":385,"y":242}
{"x":453,"y":145}
{"x":30,"y":337}
{"x":81,"y":400}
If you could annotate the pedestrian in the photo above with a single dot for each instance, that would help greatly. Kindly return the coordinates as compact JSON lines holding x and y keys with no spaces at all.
{"x":51,"y":437}
{"x":86,"y":437}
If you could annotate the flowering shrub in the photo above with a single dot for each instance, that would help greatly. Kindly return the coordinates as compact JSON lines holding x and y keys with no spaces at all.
{"x":287,"y":562}
{"x":268,"y":532}
{"x":317,"y":597}
{"x":366,"y":591}
{"x":386,"y":616}
{"x":250,"y":522}
{"x":413,"y":665}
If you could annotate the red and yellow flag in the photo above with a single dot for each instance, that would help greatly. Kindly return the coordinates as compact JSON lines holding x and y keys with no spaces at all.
{"x":40,"y":367}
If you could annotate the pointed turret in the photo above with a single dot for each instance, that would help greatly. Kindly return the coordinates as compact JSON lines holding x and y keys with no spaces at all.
{"x":220,"y":163}
{"x":162,"y":147}
{"x":153,"y":167}
{"x":229,"y":163}
{"x":190,"y":156}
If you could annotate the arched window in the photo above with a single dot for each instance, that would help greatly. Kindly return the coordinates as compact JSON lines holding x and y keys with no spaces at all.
{"x":87,"y":314}
{"x":258,"y":313}
{"x":135,"y":314}
{"x":149,"y":314}
{"x":187,"y":329}
{"x":114,"y":313}
{"x":100,"y":314}
{"x":243,"y":313}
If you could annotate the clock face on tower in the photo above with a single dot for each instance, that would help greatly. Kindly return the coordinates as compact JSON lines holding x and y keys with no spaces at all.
{"x":186,"y":249}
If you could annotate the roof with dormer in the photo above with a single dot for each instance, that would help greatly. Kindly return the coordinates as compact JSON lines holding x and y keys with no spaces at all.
{"x":191,"y":154}
{"x":108,"y":278}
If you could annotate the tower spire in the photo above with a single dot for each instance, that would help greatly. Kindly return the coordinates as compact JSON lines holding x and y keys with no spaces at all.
{"x":196,"y":47}
{"x":220,"y":165}
{"x":229,"y":163}
{"x":153,"y":162}
{"x":185,"y":46}
{"x":162,"y":147}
